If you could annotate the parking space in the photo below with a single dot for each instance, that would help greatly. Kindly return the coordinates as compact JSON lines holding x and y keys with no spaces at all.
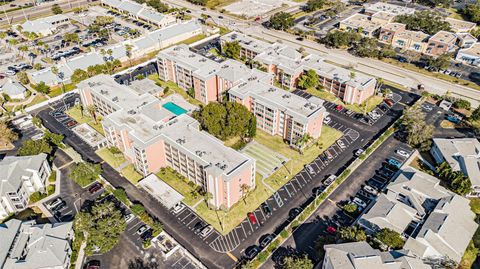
{"x":59,"y":108}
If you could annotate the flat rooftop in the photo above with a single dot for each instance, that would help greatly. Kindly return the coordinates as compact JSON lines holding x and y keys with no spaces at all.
{"x":234,"y":71}
{"x":460,"y":25}
{"x":361,"y":21}
{"x":394,"y":26}
{"x":281,"y":99}
{"x":444,"y":37}
{"x":389,"y":8}
{"x":473,"y":50}
{"x":415,"y":36}
{"x":286,"y":58}
{"x":246,"y":41}
{"x":200,"y":65}
{"x":89,"y":135}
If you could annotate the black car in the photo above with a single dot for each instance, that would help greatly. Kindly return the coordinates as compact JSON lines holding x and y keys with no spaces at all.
{"x":147,"y":235}
{"x":318,"y":190}
{"x":266,"y":240}
{"x":198,"y":227}
{"x":375,"y":184}
{"x":251,"y":252}
{"x":266,"y":209}
{"x":294,"y":213}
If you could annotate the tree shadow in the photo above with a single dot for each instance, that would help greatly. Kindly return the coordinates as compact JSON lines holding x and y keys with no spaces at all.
{"x":139,"y":263}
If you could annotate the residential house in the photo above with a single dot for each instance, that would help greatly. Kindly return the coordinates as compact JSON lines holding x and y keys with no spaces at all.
{"x":156,"y":133}
{"x":279,"y":112}
{"x":469,"y":55}
{"x":21,"y":177}
{"x":460,"y":26}
{"x":389,"y":31}
{"x":360,"y":255}
{"x":411,"y":40}
{"x":13,"y":89}
{"x":462,"y":154}
{"x":27,"y":245}
{"x":440,"y":43}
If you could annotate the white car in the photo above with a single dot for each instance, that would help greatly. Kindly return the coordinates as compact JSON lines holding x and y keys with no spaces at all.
{"x":206,"y":231}
{"x":327,"y":120}
{"x":128,"y":218}
{"x":359,"y":202}
{"x":10,"y":73}
{"x":402,"y":153}
{"x":370,"y":190}
{"x":327,"y":182}
{"x":359,"y":152}
{"x":341,"y":144}
{"x":178,"y":207}
{"x":54,"y":203}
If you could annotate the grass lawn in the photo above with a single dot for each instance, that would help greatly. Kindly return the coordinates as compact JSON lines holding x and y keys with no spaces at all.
{"x":237,"y":212}
{"x":110,"y":158}
{"x":371,"y":103}
{"x":180,"y":184}
{"x":235,"y":143}
{"x":193,"y":39}
{"x":174,"y":89}
{"x":218,"y":3}
{"x":76,"y":114}
{"x":445,"y":77}
{"x":131,"y":174}
{"x":468,"y":257}
{"x":56,"y":91}
{"x":38,"y":99}
{"x":297,"y":160}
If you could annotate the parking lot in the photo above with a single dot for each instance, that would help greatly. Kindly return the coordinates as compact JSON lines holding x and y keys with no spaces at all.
{"x":63,"y":105}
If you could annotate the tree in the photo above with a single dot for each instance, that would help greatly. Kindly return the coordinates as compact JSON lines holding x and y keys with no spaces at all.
{"x":158,"y":6}
{"x":53,"y":138}
{"x":93,"y":112}
{"x":462,"y":104}
{"x":85,"y":173}
{"x":7,"y":135}
{"x":79,"y":75}
{"x":232,"y":49}
{"x":297,"y":262}
{"x":102,"y":227}
{"x":475,"y":114}
{"x":37,"y":121}
{"x":23,"y":77}
{"x":56,"y":9}
{"x":23,"y":49}
{"x":281,"y":21}
{"x":367,"y":47}
{"x":308,"y":79}
{"x":472,"y":12}
{"x":207,"y":197}
{"x":390,"y":238}
{"x":34,"y":147}
{"x":419,"y":133}
{"x":71,"y":37}
{"x":352,"y":234}
{"x":313,"y":5}
{"x":350,"y":208}
{"x":340,"y":39}
{"x":457,"y":181}
{"x":244,"y":188}
{"x":426,"y":21}
{"x":441,"y":62}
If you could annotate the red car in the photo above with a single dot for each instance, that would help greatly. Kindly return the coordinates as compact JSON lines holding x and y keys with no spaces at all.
{"x":252,"y":218}
{"x":331,"y":230}
{"x":339,"y":108}
{"x":95,"y":187}
{"x":388,"y":102}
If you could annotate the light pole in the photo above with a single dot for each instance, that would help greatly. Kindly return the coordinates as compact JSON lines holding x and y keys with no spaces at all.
{"x":61,"y":76}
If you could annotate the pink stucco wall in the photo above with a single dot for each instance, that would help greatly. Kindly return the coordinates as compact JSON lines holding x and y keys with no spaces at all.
{"x":156,"y":156}
{"x":86,"y":96}
{"x":244,"y":177}
{"x":212,"y":89}
{"x":170,"y":71}
{"x":314,"y":127}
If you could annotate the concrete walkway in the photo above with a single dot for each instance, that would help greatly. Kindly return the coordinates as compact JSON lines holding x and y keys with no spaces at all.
{"x":123,"y":165}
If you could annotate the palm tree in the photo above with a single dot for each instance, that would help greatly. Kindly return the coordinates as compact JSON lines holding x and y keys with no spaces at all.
{"x":80,"y":107}
{"x":92,"y":110}
{"x":244,"y":188}
{"x":128,"y":52}
{"x":352,"y":75}
{"x":380,"y":82}
{"x":207,"y":197}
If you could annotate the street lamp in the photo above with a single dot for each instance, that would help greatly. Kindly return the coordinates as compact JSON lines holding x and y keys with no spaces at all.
{"x":61,"y":76}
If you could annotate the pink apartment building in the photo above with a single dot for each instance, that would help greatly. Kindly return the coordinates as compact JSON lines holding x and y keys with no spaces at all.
{"x":279,"y":112}
{"x":152,"y":137}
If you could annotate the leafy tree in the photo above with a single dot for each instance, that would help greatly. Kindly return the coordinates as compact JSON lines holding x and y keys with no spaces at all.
{"x":352,"y":234}
{"x":53,"y":138}
{"x":340,"y":39}
{"x":23,"y":77}
{"x":37,"y":121}
{"x":158,"y":6}
{"x":42,"y":88}
{"x":102,"y":226}
{"x":37,"y":66}
{"x":457,"y":181}
{"x":313,"y":5}
{"x":71,"y":37}
{"x":475,"y":114}
{"x":232,"y":49}
{"x":297,"y":262}
{"x":426,"y":21}
{"x":387,"y":52}
{"x":103,"y":20}
{"x":441,"y":62}
{"x":308,"y":80}
{"x":93,"y":111}
{"x":198,"y":2}
{"x":367,"y":47}
{"x":472,"y":12}
{"x":85,"y":173}
{"x":350,"y":208}
{"x":281,"y":21}
{"x":462,"y":104}
{"x":390,"y":238}
{"x":79,"y":75}
{"x":34,"y":147}
{"x":56,"y":9}
{"x":419,"y":133}
{"x":7,"y":135}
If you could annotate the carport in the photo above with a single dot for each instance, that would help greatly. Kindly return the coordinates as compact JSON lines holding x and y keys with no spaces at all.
{"x":161,"y":191}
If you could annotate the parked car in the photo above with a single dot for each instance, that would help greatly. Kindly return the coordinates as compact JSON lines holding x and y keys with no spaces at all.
{"x":178,"y":207}
{"x":142,"y":229}
{"x":427,"y":107}
{"x":198,"y":227}
{"x":374,"y":184}
{"x":294,"y":212}
{"x":10,"y":73}
{"x":370,"y":190}
{"x":60,"y":206}
{"x":328,"y":154}
{"x":95,"y":264}
{"x":359,"y":202}
{"x":402,"y":153}
{"x":388,"y":102}
{"x":395,"y":163}
{"x":147,"y":235}
{"x":359,"y":152}
{"x":71,"y":123}
{"x":206,"y":231}
{"x":251,"y":217}
{"x":339,"y":108}
{"x":449,"y":118}
{"x":341,"y":144}
{"x":266,"y":209}
{"x":331,"y":230}
{"x":95,"y":187}
{"x":327,"y":182}
{"x":128,"y":217}
{"x":327,"y":120}
{"x":266,"y":240}
{"x":55,"y":202}
{"x":251,"y":252}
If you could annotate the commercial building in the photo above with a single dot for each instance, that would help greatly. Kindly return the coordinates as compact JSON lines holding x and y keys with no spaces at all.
{"x":141,"y":46}
{"x":435,"y":222}
{"x":27,"y":245}
{"x":279,"y":112}
{"x":466,"y":40}
{"x":140,"y":12}
{"x":364,"y":24}
{"x":44,"y":26}
{"x":462,"y":154}
{"x":470,"y":55}
{"x":287,"y":65}
{"x":360,"y":255}
{"x":411,"y":40}
{"x":21,"y":177}
{"x":155,"y":133}
{"x":440,"y":43}
{"x":393,"y":9}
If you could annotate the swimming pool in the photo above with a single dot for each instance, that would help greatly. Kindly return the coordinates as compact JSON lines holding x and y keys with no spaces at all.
{"x":172,"y":107}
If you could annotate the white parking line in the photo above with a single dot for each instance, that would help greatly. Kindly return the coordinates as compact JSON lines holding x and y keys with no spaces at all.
{"x":133,"y":226}
{"x":191,"y":221}
{"x":189,"y":213}
{"x":303,"y":178}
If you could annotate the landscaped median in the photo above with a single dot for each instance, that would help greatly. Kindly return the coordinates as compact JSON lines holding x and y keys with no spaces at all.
{"x":313,"y":206}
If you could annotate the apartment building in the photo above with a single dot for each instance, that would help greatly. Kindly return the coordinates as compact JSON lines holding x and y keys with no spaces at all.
{"x":22,"y":176}
{"x":250,"y":47}
{"x":27,"y":245}
{"x":466,"y":40}
{"x":191,"y":71}
{"x":363,"y":24}
{"x":469,"y":55}
{"x":360,"y":255}
{"x":440,"y":43}
{"x":435,"y":222}
{"x":155,"y":133}
{"x":279,"y":112}
{"x":460,"y":26}
{"x":389,"y":30}
{"x":462,"y":154}
{"x":411,"y":40}
{"x":140,"y":12}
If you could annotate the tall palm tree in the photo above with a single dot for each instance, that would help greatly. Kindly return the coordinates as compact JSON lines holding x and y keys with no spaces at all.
{"x":92,"y":110}
{"x":244,"y":188}
{"x":207,"y":197}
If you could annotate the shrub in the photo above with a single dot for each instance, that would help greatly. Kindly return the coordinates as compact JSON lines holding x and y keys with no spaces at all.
{"x":294,"y":223}
{"x":121,"y":195}
{"x":50,"y":189}
{"x":53,"y":176}
{"x":284,"y":234}
{"x":36,"y":196}
{"x":273,"y":245}
{"x":262,"y":256}
{"x":137,"y":209}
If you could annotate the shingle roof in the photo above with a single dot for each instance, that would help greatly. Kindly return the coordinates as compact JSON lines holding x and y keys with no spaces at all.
{"x":14,"y":168}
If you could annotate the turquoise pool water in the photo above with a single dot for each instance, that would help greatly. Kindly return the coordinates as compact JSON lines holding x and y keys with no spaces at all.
{"x":174,"y":108}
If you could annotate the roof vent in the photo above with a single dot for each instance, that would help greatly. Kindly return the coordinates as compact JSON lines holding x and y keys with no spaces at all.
{"x":272,"y":90}
{"x":115,"y":99}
